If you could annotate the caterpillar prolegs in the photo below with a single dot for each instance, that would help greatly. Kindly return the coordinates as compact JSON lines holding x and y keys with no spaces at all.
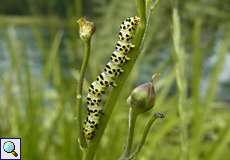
{"x":109,"y":75}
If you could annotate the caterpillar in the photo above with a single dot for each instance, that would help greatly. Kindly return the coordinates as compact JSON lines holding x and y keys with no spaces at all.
{"x":109,"y":75}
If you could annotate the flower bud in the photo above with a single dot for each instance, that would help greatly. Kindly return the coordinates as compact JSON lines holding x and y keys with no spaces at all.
{"x":87,"y":28}
{"x":142,"y":98}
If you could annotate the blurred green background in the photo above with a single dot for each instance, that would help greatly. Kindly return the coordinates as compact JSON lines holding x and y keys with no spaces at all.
{"x":40,"y":53}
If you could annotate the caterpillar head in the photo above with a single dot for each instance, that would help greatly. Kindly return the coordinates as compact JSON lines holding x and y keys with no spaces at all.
{"x":88,"y":134}
{"x":136,"y":20}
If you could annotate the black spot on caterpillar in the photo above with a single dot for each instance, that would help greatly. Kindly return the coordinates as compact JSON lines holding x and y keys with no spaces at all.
{"x":109,"y":75}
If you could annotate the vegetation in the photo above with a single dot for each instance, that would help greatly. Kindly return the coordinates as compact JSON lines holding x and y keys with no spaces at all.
{"x":41,"y":55}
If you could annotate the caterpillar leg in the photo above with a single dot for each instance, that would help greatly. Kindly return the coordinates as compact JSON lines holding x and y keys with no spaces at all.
{"x":127,"y":58}
{"x":102,"y":112}
{"x":113,"y":84}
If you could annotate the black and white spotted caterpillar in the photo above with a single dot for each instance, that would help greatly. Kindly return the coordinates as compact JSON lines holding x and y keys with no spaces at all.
{"x":108,"y":77}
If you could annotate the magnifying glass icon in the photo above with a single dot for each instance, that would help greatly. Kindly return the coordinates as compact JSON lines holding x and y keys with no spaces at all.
{"x":9,"y":147}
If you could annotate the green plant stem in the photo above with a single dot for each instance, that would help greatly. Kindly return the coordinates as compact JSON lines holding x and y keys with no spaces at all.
{"x":197,"y":74}
{"x":181,"y":82}
{"x":132,"y":121}
{"x":144,"y":135}
{"x":53,"y":54}
{"x":78,"y":8}
{"x":87,"y":47}
{"x":114,"y":95}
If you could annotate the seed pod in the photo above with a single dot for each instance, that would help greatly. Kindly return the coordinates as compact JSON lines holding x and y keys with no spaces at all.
{"x":142,"y":98}
{"x":87,"y":28}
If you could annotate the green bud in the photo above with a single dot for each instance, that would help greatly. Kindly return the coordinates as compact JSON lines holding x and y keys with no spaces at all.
{"x":142,"y":98}
{"x":87,"y":28}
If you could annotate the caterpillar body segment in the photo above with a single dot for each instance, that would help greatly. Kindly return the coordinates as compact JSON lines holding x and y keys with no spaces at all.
{"x":113,"y":69}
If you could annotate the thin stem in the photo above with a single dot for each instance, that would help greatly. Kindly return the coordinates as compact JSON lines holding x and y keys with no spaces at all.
{"x":144,"y":135}
{"x":78,"y":8}
{"x":141,"y":10}
{"x":181,"y":82}
{"x":87,"y":47}
{"x":132,"y":122}
{"x":197,"y":74}
{"x":150,"y":7}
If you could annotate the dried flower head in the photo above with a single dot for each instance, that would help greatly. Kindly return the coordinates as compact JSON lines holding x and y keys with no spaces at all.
{"x":87,"y":28}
